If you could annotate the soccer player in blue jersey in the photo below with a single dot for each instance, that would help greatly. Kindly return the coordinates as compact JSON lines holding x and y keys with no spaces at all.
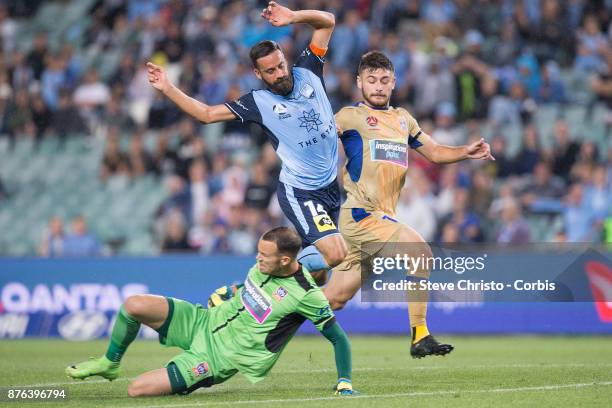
{"x":295,"y":113}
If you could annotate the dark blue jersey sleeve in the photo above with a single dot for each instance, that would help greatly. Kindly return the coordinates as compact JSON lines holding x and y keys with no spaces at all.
{"x":312,"y":62}
{"x":245,"y":108}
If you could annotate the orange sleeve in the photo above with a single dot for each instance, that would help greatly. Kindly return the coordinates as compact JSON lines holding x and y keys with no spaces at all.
{"x":319,"y":52}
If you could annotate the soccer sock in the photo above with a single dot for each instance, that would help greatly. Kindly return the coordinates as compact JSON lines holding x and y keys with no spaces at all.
{"x":311,"y":258}
{"x":419,"y":332}
{"x":124,"y":332}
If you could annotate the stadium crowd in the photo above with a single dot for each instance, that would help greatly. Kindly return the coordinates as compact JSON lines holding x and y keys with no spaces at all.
{"x":462,"y":66}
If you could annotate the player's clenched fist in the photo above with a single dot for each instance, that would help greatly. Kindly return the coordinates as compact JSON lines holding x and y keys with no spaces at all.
{"x":157,"y":77}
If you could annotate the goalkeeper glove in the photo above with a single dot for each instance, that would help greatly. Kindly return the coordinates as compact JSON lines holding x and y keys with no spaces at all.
{"x":344,"y":387}
{"x":222,"y":294}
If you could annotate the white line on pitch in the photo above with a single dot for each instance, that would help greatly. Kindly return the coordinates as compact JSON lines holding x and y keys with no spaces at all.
{"x":548,"y":387}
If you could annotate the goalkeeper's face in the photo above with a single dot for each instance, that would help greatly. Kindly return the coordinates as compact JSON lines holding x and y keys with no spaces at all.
{"x":274,"y":72}
{"x":376,"y":86}
{"x":269,"y":260}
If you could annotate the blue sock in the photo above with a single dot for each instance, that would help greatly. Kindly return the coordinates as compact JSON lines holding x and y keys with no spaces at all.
{"x":311,"y":258}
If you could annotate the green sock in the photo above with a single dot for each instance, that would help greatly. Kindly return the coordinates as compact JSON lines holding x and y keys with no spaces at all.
{"x":124,"y":332}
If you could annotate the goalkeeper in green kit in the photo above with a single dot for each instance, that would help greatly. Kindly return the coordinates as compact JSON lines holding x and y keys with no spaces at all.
{"x":245,"y":334}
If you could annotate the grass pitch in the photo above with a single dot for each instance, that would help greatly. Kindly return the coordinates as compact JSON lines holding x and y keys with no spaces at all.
{"x":481,"y":372}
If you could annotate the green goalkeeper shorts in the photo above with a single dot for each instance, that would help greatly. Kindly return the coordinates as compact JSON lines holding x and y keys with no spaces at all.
{"x":198,"y":365}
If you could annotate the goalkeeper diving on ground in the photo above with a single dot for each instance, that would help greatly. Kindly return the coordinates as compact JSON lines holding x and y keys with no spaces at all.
{"x":245,"y":334}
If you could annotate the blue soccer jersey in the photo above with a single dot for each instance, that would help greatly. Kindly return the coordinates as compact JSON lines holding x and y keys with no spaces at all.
{"x":300,"y":126}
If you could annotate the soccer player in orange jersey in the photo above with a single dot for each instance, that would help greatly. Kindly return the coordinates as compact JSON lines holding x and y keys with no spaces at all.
{"x":376,"y":138}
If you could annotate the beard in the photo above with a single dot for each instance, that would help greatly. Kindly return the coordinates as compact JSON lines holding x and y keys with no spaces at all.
{"x":377,"y":100}
{"x":283,"y":86}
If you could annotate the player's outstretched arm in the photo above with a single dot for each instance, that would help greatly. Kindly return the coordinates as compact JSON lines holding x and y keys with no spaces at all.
{"x":442,"y":154}
{"x":200,"y":111}
{"x":322,"y":21}
{"x":342,"y":351}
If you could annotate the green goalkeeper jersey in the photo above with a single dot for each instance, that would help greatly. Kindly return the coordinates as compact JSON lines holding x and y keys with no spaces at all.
{"x":251,"y":329}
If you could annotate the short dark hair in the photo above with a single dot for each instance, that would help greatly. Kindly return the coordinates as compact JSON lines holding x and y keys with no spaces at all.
{"x":374,"y":60}
{"x":263,"y":49}
{"x":286,"y":239}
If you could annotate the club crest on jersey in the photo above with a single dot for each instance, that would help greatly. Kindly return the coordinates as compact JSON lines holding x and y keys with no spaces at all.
{"x":281,"y":110}
{"x":403,"y":124}
{"x":307,"y":91}
{"x":280,"y":293}
{"x":372,"y":121}
{"x":201,"y":369}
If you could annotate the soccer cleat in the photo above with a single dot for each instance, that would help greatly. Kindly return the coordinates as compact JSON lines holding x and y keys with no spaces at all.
{"x":344,"y":387}
{"x":102,"y":367}
{"x":428,"y":346}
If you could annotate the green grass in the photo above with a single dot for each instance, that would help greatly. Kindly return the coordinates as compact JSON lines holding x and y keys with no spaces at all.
{"x":482,"y":371}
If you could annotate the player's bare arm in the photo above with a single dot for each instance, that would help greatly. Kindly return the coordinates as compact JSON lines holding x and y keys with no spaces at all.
{"x":200,"y":111}
{"x":322,"y":22}
{"x":442,"y":154}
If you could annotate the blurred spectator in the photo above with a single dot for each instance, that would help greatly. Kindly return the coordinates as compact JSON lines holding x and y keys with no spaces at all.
{"x":37,"y":56}
{"x":551,"y":36}
{"x":514,"y":229}
{"x":552,"y":88}
{"x":591,"y":47}
{"x":198,"y":190}
{"x":502,"y":166}
{"x":240,"y":240}
{"x":114,"y":161}
{"x":474,"y":81}
{"x":482,"y":192}
{"x":53,"y":80}
{"x":164,"y":158}
{"x":66,"y":120}
{"x":543,"y":191}
{"x":466,"y":220}
{"x":91,"y":95}
{"x":450,"y":234}
{"x":41,"y":115}
{"x":435,"y":89}
{"x":258,"y":191}
{"x":438,"y":12}
{"x":529,"y":74}
{"x":18,"y":114}
{"x":529,"y":155}
{"x":602,"y":87}
{"x":598,"y":196}
{"x":565,"y":151}
{"x":22,"y":73}
{"x":349,"y":40}
{"x":505,"y":197}
{"x":446,"y":132}
{"x":414,"y":210}
{"x":138,"y":159}
{"x":175,"y":234}
{"x":8,"y":30}
{"x":512,"y":110}
{"x":80,"y":242}
{"x":53,"y":241}
{"x":449,"y":183}
{"x":578,"y":219}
